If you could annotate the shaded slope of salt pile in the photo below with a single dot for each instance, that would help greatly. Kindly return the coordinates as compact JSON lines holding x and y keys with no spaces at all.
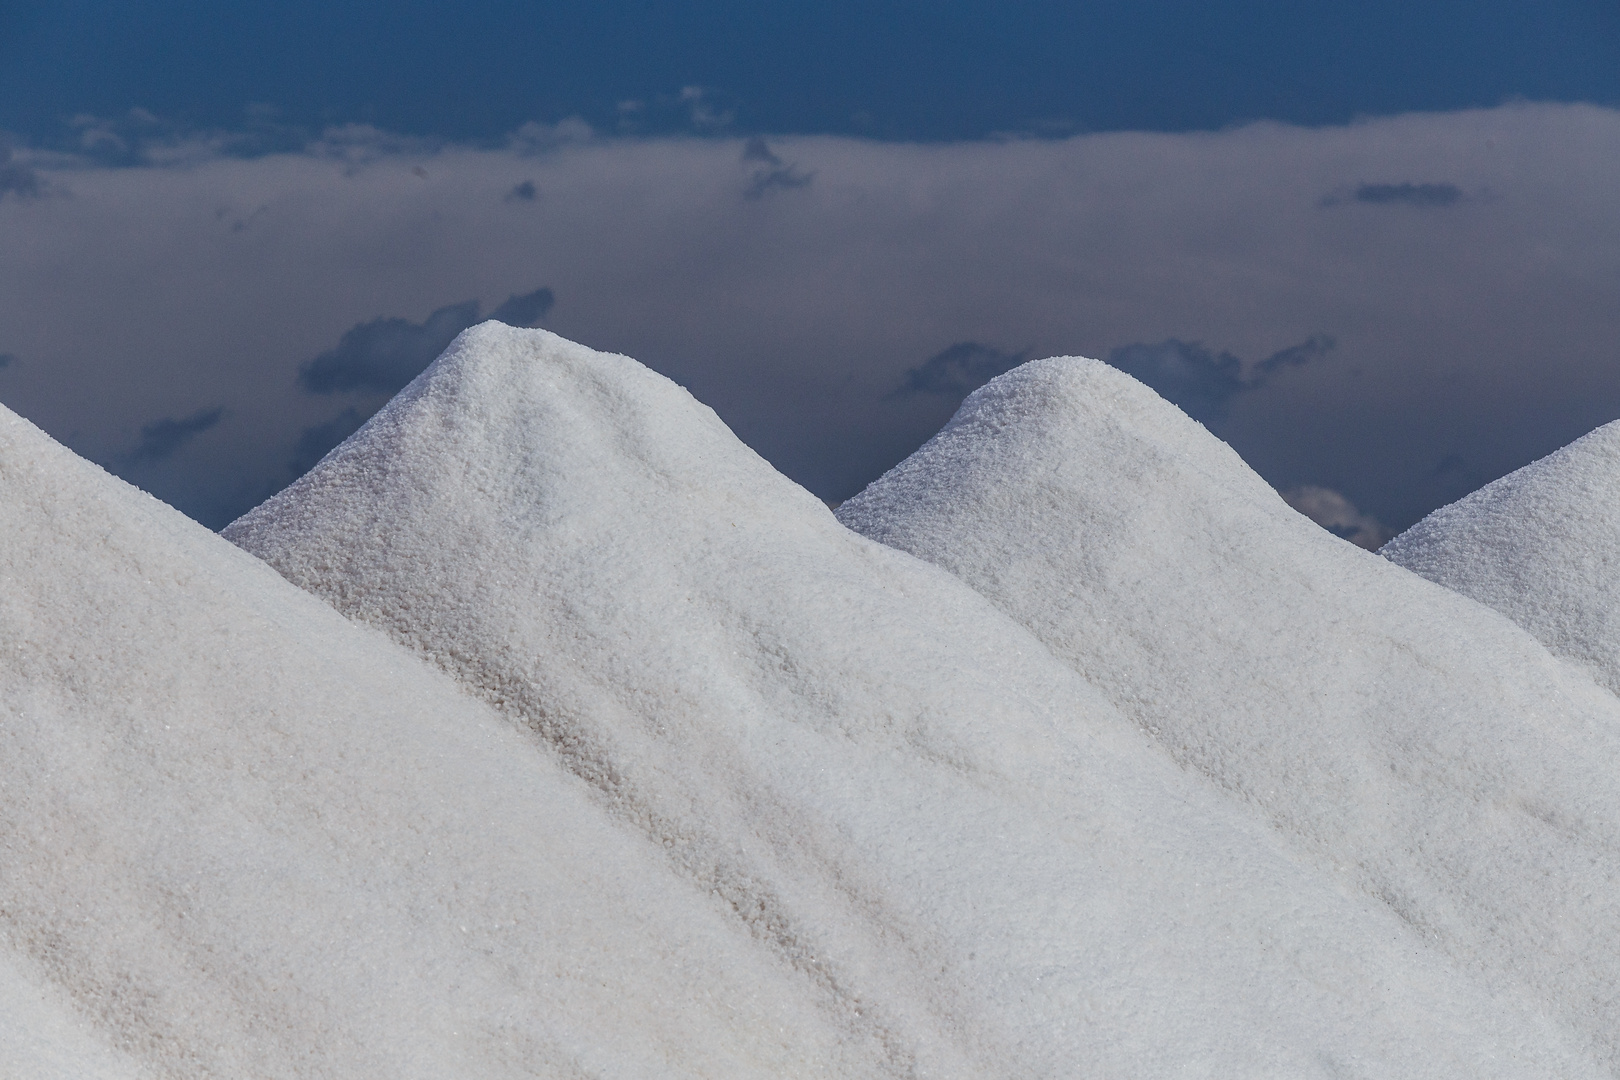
{"x":242,"y":836}
{"x":895,"y":788}
{"x":1540,"y":545}
{"x":1439,"y":755}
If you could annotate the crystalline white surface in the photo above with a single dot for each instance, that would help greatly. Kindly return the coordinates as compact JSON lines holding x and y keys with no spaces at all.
{"x":1459,"y":773}
{"x":977,"y":863}
{"x":1540,"y":545}
{"x":241,"y":836}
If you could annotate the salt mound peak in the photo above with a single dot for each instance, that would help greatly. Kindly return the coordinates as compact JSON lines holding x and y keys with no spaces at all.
{"x":1542,"y":546}
{"x":1427,"y":747}
{"x":524,"y":413}
{"x":958,"y":845}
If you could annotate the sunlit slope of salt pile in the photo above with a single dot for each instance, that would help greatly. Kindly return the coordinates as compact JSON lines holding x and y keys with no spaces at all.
{"x":1439,"y":755}
{"x":894,"y":787}
{"x":1540,"y":545}
{"x":241,"y":836}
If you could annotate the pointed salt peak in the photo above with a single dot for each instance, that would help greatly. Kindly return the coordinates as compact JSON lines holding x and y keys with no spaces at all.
{"x":1062,"y":392}
{"x":513,"y":424}
{"x":1097,"y":433}
{"x":493,"y":374}
{"x":522,"y":421}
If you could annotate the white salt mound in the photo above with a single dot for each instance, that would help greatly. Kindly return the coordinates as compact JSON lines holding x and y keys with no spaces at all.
{"x":1540,"y":545}
{"x":1419,"y":744}
{"x":974,"y":862}
{"x":241,"y":836}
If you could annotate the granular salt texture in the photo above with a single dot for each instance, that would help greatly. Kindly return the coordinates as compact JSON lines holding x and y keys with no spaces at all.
{"x":891,"y":786}
{"x":1540,"y":545}
{"x":1420,"y":744}
{"x":242,"y":836}
{"x":43,"y":1038}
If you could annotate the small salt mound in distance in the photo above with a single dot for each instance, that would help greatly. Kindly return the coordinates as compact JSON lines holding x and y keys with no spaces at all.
{"x":894,"y":789}
{"x":1454,"y":769}
{"x":241,"y":836}
{"x":1540,"y":545}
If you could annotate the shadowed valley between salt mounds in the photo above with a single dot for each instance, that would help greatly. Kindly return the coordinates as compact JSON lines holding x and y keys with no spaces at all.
{"x":544,"y":730}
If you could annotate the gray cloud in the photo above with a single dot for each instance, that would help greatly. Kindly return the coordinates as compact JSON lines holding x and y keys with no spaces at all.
{"x":757,"y":149}
{"x":537,"y":139}
{"x":1411,"y":194}
{"x":773,"y":173}
{"x":958,"y":370}
{"x":314,"y":441}
{"x":523,"y":192}
{"x":1203,"y":383}
{"x":1338,"y":515}
{"x":161,"y":438}
{"x":1406,"y":194}
{"x":1311,"y":348}
{"x":386,"y":353}
{"x":15,"y":177}
{"x":7,"y":359}
{"x":525,"y":310}
{"x":701,"y":109}
{"x":786,"y":178}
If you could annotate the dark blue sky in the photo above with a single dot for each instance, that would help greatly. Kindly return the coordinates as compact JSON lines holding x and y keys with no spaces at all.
{"x":912,"y":70}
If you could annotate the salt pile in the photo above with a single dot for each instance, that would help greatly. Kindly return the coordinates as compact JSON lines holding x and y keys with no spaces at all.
{"x":1418,"y":744}
{"x":897,"y":792}
{"x":243,"y":836}
{"x":1540,"y":545}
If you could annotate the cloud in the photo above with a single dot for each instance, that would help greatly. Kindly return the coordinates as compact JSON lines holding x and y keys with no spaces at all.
{"x":314,"y":441}
{"x":16,"y":178}
{"x":357,"y":145}
{"x":1203,"y":383}
{"x":701,"y":109}
{"x":958,"y":370}
{"x":525,"y":310}
{"x":7,"y":359}
{"x":1411,"y":194}
{"x":523,"y":192}
{"x":386,"y":353}
{"x":1338,"y":515}
{"x":774,"y":173}
{"x":757,"y":149}
{"x":1311,"y":348}
{"x":161,"y":438}
{"x":534,"y":138}
{"x":138,"y":138}
{"x":1407,"y":194}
